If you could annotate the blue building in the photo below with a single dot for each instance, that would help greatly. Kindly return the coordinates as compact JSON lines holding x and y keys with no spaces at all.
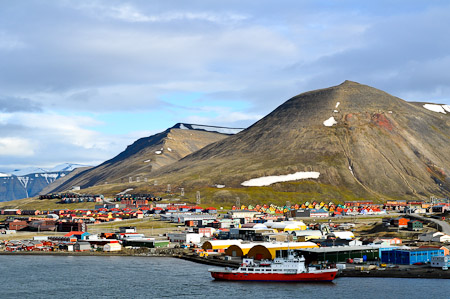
{"x":409,"y":257}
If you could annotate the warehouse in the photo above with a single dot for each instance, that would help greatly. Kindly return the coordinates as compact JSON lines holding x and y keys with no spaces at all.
{"x":409,"y":257}
{"x":340,"y":254}
{"x":112,"y":247}
{"x":268,"y":250}
{"x":220,"y":244}
{"x":239,"y":250}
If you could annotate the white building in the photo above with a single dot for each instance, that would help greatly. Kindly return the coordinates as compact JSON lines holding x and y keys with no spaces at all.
{"x":184,"y":238}
{"x":112,"y":247}
{"x":441,"y":239}
{"x":440,"y":261}
{"x":428,"y":237}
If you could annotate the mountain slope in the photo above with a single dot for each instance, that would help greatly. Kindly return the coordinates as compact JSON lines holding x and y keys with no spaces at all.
{"x":147,"y":154}
{"x":360,"y":139}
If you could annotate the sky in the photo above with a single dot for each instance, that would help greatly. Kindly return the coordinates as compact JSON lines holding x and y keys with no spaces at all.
{"x":81,"y":80}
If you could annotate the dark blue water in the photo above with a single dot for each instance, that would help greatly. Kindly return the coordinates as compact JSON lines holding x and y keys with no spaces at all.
{"x":153,"y":277}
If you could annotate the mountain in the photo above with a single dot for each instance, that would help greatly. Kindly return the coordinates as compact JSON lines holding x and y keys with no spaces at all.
{"x":29,"y":182}
{"x":63,"y":179}
{"x":28,"y":185}
{"x":147,"y":154}
{"x":347,"y":141}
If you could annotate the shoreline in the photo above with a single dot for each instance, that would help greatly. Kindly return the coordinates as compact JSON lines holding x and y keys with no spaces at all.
{"x":428,"y":273}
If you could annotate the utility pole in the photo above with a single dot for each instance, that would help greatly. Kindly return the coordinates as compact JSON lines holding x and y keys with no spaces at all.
{"x":197,"y":196}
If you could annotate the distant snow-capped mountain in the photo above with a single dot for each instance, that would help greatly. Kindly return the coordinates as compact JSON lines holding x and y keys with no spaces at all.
{"x":29,"y":182}
{"x":57,"y":168}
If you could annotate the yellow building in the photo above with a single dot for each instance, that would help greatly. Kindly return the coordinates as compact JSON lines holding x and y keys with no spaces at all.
{"x":239,"y":250}
{"x":220,"y":244}
{"x":268,"y":250}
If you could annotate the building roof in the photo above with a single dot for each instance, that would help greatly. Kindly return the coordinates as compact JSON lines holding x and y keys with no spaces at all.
{"x":339,"y":248}
{"x":75,"y":233}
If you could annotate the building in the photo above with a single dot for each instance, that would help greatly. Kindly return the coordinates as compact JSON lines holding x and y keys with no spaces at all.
{"x":219,"y":244}
{"x":318,"y":213}
{"x":409,"y":257}
{"x":440,"y":261}
{"x":400,"y":222}
{"x":390,"y":241}
{"x":204,"y":231}
{"x":82,"y":246}
{"x":112,"y":247}
{"x":184,"y":238}
{"x":306,"y":235}
{"x":337,"y":254}
{"x":127,"y":229}
{"x":428,"y":237}
{"x":441,"y":239}
{"x":268,"y":250}
{"x":78,"y":235}
{"x":415,"y":225}
{"x":439,"y":209}
{"x":243,"y":214}
{"x":18,"y":225}
{"x":240,"y":250}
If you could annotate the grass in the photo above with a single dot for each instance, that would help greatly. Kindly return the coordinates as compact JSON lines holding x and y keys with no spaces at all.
{"x":43,"y":205}
{"x":146,"y":226}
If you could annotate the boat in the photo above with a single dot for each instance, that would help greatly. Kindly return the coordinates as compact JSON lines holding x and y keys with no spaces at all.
{"x":291,"y":268}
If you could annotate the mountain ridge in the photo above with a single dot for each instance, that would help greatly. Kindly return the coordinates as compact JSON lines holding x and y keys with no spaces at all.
{"x":146,"y":154}
{"x":378,"y":145}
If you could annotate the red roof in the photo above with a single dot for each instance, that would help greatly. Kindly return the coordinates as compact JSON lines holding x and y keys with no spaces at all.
{"x":73,"y":233}
{"x":210,"y":208}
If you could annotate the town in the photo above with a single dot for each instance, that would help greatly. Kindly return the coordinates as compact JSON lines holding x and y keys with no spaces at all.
{"x":359,"y":235}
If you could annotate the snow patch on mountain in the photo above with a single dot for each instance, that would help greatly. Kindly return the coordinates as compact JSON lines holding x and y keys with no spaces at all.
{"x":49,"y":177}
{"x":222,"y":130}
{"x":268,"y":180}
{"x":330,"y":122}
{"x":437,"y":108}
{"x":23,"y":180}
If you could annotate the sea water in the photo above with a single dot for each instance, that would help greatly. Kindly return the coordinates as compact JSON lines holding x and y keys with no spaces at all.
{"x":23,"y":276}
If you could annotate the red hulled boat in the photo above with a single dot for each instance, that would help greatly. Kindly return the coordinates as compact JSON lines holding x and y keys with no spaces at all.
{"x":281,"y":269}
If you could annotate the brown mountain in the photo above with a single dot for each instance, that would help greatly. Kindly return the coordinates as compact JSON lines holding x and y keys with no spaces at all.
{"x":147,"y":154}
{"x":363,"y":142}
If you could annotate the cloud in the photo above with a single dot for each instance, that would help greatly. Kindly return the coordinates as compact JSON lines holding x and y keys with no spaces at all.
{"x":16,"y":104}
{"x":47,"y":139}
{"x":222,"y":116}
{"x":9,"y":42}
{"x":16,"y":147}
{"x":67,"y":64}
{"x":130,"y":13}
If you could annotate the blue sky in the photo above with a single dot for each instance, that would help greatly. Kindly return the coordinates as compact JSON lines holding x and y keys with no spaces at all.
{"x":80,"y":80}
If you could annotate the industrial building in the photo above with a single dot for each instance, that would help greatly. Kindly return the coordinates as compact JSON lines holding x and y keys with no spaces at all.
{"x":409,"y":257}
{"x":340,"y":253}
{"x":268,"y":250}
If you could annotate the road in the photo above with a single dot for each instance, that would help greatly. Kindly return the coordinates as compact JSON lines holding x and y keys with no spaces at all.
{"x":443,"y":226}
